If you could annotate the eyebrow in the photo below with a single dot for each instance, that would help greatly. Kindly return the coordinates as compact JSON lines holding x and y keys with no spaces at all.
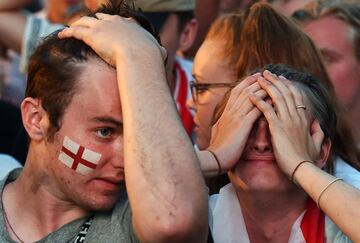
{"x":108,"y":120}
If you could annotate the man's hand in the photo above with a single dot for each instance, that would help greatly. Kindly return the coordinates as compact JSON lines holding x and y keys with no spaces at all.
{"x":115,"y":38}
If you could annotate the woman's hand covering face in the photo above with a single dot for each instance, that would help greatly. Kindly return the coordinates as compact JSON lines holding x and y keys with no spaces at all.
{"x":230,"y":133}
{"x":294,"y":136}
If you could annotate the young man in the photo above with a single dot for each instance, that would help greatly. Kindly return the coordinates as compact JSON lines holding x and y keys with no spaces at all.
{"x":85,"y":141}
{"x":334,"y":27}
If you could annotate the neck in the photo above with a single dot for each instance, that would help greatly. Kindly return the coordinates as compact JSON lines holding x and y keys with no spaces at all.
{"x":44,"y":210}
{"x":269,"y":216}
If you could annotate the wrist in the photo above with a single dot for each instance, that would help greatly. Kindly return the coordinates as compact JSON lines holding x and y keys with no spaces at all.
{"x":293,"y":175}
{"x":215,"y":157}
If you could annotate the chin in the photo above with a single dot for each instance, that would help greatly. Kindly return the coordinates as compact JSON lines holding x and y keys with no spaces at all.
{"x":100,"y":204}
{"x":260,"y":179}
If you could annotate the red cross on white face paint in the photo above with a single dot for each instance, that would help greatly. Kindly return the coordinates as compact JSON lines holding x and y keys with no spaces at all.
{"x":78,"y":158}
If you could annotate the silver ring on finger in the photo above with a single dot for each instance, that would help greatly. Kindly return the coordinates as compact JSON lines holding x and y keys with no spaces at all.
{"x":301,"y":107}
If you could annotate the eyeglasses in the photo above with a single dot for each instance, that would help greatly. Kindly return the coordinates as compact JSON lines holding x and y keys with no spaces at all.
{"x":198,"y":88}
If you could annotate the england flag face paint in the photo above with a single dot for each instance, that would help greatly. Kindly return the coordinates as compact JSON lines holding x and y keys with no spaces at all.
{"x":78,"y":158}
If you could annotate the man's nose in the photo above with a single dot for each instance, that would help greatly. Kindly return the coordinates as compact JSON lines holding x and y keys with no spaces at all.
{"x":262,"y":143}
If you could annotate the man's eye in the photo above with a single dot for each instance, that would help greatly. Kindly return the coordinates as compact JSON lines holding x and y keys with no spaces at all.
{"x":104,"y":132}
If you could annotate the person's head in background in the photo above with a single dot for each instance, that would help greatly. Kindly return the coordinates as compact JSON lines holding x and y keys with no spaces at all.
{"x":57,"y":10}
{"x":228,"y":6}
{"x":176,"y":24}
{"x":94,"y":4}
{"x":288,"y":7}
{"x":241,"y":42}
{"x":66,"y":11}
{"x":334,"y":27}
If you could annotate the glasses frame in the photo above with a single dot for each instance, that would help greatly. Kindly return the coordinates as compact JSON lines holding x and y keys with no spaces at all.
{"x":197,"y":88}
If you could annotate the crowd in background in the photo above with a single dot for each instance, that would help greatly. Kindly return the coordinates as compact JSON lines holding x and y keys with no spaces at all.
{"x":245,"y":77}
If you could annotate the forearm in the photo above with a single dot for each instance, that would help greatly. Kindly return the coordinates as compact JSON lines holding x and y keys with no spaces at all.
{"x":339,"y":201}
{"x":208,"y":164}
{"x":165,"y":186}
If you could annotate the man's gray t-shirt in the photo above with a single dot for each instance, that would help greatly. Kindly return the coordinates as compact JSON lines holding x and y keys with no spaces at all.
{"x":114,"y":226}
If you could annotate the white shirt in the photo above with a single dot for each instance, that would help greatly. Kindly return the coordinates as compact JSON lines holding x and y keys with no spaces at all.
{"x":227,"y":223}
{"x":7,"y":164}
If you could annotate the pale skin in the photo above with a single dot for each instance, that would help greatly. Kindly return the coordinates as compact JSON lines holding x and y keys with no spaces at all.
{"x":290,"y":145}
{"x":166,"y":186}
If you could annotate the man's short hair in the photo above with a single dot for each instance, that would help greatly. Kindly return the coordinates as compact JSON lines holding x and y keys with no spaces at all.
{"x":345,"y":10}
{"x":57,"y":63}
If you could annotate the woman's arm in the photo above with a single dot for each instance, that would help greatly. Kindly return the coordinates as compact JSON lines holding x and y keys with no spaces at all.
{"x":301,"y":150}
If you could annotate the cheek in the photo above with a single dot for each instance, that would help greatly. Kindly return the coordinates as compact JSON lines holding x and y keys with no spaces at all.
{"x":344,"y":76}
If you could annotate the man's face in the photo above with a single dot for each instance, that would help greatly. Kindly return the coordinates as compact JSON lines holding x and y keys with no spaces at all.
{"x":93,"y":120}
{"x":335,"y":39}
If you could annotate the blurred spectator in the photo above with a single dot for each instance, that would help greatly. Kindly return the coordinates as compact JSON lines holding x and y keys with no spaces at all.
{"x":288,"y":7}
{"x":227,"y":6}
{"x":17,"y":30}
{"x":175,"y":21}
{"x":334,"y":26}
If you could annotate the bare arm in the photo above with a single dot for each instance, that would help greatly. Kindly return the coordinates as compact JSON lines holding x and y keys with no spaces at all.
{"x":166,"y":191}
{"x":339,"y":201}
{"x":12,"y":26}
{"x":292,"y":143}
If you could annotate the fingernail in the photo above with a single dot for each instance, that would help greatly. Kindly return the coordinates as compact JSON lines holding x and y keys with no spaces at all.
{"x":270,"y":73}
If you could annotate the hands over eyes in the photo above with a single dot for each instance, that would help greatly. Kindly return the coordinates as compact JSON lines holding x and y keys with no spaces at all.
{"x":289,"y":123}
{"x":229,"y":134}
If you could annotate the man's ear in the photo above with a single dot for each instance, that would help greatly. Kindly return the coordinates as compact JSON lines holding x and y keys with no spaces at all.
{"x":34,"y":118}
{"x":188,"y":35}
